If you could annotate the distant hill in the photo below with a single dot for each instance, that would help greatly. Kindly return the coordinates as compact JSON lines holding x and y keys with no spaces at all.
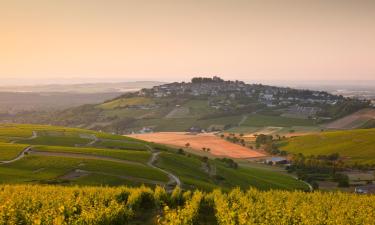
{"x":16,"y":102}
{"x":83,"y":87}
{"x":203,"y":104}
{"x":354,"y":145}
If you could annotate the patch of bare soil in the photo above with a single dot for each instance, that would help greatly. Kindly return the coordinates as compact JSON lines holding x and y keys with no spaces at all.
{"x":217,"y":145}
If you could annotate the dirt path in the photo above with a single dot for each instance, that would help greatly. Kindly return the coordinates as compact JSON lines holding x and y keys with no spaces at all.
{"x":35,"y":135}
{"x":24,"y":152}
{"x":94,"y":140}
{"x":91,"y":137}
{"x":244,"y":118}
{"x":173,"y":178}
{"x":20,"y":156}
{"x":15,"y":139}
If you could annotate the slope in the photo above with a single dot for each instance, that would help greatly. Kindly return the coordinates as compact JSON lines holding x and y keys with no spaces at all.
{"x":353,"y":121}
{"x":71,"y":156}
{"x":355,"y":145}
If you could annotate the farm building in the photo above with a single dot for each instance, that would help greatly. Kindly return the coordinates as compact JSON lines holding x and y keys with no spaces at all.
{"x":277,"y":161}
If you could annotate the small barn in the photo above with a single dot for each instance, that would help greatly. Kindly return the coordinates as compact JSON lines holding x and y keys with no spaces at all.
{"x":277,"y":161}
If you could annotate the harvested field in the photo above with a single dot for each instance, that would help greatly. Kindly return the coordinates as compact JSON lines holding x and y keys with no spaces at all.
{"x":218,"y":146}
{"x":355,"y":120}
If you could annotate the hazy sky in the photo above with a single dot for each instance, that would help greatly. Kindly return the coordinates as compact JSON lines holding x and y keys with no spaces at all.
{"x":175,"y":40}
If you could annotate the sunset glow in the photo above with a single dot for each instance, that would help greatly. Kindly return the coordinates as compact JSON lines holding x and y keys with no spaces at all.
{"x":164,"y":40}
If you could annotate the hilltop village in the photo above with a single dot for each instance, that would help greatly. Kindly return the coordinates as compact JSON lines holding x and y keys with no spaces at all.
{"x":215,"y":87}
{"x":206,"y":103}
{"x":226,"y":96}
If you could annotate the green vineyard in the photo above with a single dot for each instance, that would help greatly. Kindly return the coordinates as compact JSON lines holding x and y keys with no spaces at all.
{"x":39,"y":204}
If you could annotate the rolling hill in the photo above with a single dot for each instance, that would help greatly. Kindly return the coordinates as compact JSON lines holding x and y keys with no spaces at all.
{"x":204,"y":103}
{"x":355,"y":145}
{"x":39,"y":154}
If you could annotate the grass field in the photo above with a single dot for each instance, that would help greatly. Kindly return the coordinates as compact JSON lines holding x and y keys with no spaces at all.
{"x":276,"y":121}
{"x":136,"y":156}
{"x":358,"y":145}
{"x":118,"y":144}
{"x":183,"y":124}
{"x":56,"y":141}
{"x":198,"y":108}
{"x":45,"y":168}
{"x":122,"y":102}
{"x":270,"y":130}
{"x":7,"y":130}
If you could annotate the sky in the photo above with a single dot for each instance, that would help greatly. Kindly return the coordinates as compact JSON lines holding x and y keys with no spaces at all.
{"x":123,"y":40}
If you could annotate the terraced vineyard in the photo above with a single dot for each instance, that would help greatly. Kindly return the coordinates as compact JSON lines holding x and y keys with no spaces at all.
{"x":68,"y":156}
{"x":217,"y":175}
{"x":356,"y":145}
{"x":26,"y":204}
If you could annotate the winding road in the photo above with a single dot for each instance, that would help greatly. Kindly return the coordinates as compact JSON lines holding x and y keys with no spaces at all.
{"x":173,"y":178}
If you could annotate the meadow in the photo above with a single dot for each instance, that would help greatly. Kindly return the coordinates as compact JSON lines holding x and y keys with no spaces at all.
{"x":122,"y":102}
{"x":258,"y":120}
{"x":31,"y":204}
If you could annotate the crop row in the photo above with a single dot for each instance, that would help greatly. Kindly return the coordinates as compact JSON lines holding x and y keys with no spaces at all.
{"x":33,"y":204}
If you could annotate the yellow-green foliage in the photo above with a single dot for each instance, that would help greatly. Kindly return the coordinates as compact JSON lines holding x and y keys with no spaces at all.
{"x":59,"y":205}
{"x":282,"y":207}
{"x":26,"y":204}
{"x":10,"y":130}
{"x":359,"y":145}
{"x":185,"y":215}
